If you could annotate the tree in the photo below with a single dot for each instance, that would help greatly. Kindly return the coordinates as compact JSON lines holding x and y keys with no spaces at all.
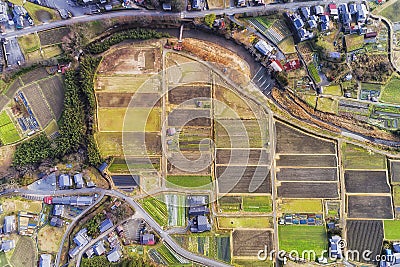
{"x":209,"y":19}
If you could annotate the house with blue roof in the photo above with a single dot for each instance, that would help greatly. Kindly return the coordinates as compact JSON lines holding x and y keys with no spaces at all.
{"x":298,"y":23}
{"x":335,"y":250}
{"x":105,"y":225}
{"x":305,"y":12}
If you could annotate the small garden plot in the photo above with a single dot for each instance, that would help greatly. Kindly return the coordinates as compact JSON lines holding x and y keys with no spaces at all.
{"x":242,"y":179}
{"x":355,"y":157}
{"x":395,"y":171}
{"x":124,"y":181}
{"x":129,"y":119}
{"x":311,"y":100}
{"x":143,"y":83}
{"x":247,"y":243}
{"x":370,"y":91}
{"x":53,"y":36}
{"x":176,"y":210}
{"x":8,"y":131}
{"x":124,"y":165}
{"x":354,"y":42}
{"x":25,"y":252}
{"x":314,"y":72}
{"x":369,"y":207}
{"x":109,"y":143}
{"x":241,"y":133}
{"x":157,"y":208}
{"x":53,"y":91}
{"x":189,"y":117}
{"x":145,"y":100}
{"x":392,"y":230}
{"x":38,"y":104}
{"x":231,"y":105}
{"x":189,"y":163}
{"x":301,"y":206}
{"x":363,"y":236}
{"x":390,"y":93}
{"x":255,"y":222}
{"x":366,"y":182}
{"x":307,"y":161}
{"x":34,"y":75}
{"x":52,"y":51}
{"x":168,"y":256}
{"x":353,"y":107}
{"x":350,"y":88}
{"x":300,"y":239}
{"x":287,"y":45}
{"x":307,"y":174}
{"x":257,"y":204}
{"x":230,"y":204}
{"x":194,"y":139}
{"x":115,"y":100}
{"x":327,"y":105}
{"x":243,"y":156}
{"x":189,"y":181}
{"x":332,"y":90}
{"x":308,"y":190}
{"x":29,"y":43}
{"x":188,"y":94}
{"x":130,"y":59}
{"x":292,"y":141}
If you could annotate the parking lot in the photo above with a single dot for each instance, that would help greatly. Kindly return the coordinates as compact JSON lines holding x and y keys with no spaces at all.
{"x":14,"y":56}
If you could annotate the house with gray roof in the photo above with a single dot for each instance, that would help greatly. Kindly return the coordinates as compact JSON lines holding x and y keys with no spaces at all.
{"x":64,"y":181}
{"x":45,"y":260}
{"x":78,"y":179}
{"x":9,"y":224}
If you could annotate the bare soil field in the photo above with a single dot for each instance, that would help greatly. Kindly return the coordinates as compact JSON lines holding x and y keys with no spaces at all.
{"x":363,"y":236}
{"x":189,"y":117}
{"x":366,"y":182}
{"x":395,"y":171}
{"x":180,"y":94}
{"x":240,"y":133}
{"x":53,"y":90}
{"x":242,"y":179}
{"x":38,"y":104}
{"x":232,"y":104}
{"x":308,"y":190}
{"x":49,"y":238}
{"x":131,"y":59}
{"x":371,"y":207}
{"x":291,"y":141}
{"x":307,"y":174}
{"x":25,"y":253}
{"x":307,"y":160}
{"x":144,"y":83}
{"x":53,"y":36}
{"x":13,"y":88}
{"x":6,"y":157}
{"x":189,"y":163}
{"x":127,"y":99}
{"x":34,"y":75}
{"x":249,"y":242}
{"x":243,"y":156}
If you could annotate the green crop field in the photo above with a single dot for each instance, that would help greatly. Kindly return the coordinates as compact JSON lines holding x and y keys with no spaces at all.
{"x":203,"y":182}
{"x":29,"y":43}
{"x":314,"y":72}
{"x":392,"y":230}
{"x":257,"y":204}
{"x":332,"y":90}
{"x":176,"y":209}
{"x":119,"y":165}
{"x":396,"y":195}
{"x":355,"y":157}
{"x":244,"y":222}
{"x":3,"y":260}
{"x":391,"y":91}
{"x":301,"y":238}
{"x":132,"y":119}
{"x":8,"y":131}
{"x":230,"y":203}
{"x":157,"y":209}
{"x":310,"y":100}
{"x":328,"y":105}
{"x":167,"y":255}
{"x":392,"y":12}
{"x":301,"y":205}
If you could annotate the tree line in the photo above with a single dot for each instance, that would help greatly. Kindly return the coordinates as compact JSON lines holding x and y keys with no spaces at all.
{"x":100,"y":46}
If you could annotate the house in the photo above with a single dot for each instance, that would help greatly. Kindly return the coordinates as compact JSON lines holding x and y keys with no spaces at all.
{"x":89,"y":253}
{"x":324,"y":26}
{"x":78,"y":179}
{"x":197,"y":205}
{"x":276,"y":65}
{"x":58,"y":210}
{"x":105,"y":225}
{"x":19,"y":11}
{"x":396,"y":247}
{"x":196,"y":4}
{"x":312,"y":24}
{"x":7,"y":245}
{"x":108,"y":7}
{"x":370,"y":35}
{"x":343,"y":9}
{"x":334,"y":55}
{"x":346,"y":19}
{"x":362,"y":13}
{"x":325,"y":18}
{"x":73,"y":201}
{"x":292,"y":65}
{"x":81,"y":238}
{"x":45,"y":260}
{"x":90,"y":184}
{"x":147,"y":239}
{"x":167,"y":6}
{"x":9,"y":224}
{"x":114,"y":255}
{"x":56,"y":222}
{"x":103,"y":167}
{"x":298,"y":23}
{"x":263,"y":47}
{"x":333,"y":9}
{"x":120,"y":230}
{"x":99,"y":248}
{"x":335,"y":250}
{"x":199,"y":224}
{"x":305,"y":12}
{"x":318,"y":10}
{"x":313,"y":17}
{"x":352,"y":9}
{"x":64,"y":181}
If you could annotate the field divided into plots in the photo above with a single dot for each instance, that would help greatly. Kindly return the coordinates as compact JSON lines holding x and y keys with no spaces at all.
{"x":307,"y":165}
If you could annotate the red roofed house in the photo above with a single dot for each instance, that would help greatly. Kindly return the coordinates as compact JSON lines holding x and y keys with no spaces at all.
{"x":333,"y":9}
{"x":292,"y":65}
{"x":276,"y":65}
{"x":48,"y":200}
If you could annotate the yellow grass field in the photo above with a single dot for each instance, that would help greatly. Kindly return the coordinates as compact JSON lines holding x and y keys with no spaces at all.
{"x":49,"y":238}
